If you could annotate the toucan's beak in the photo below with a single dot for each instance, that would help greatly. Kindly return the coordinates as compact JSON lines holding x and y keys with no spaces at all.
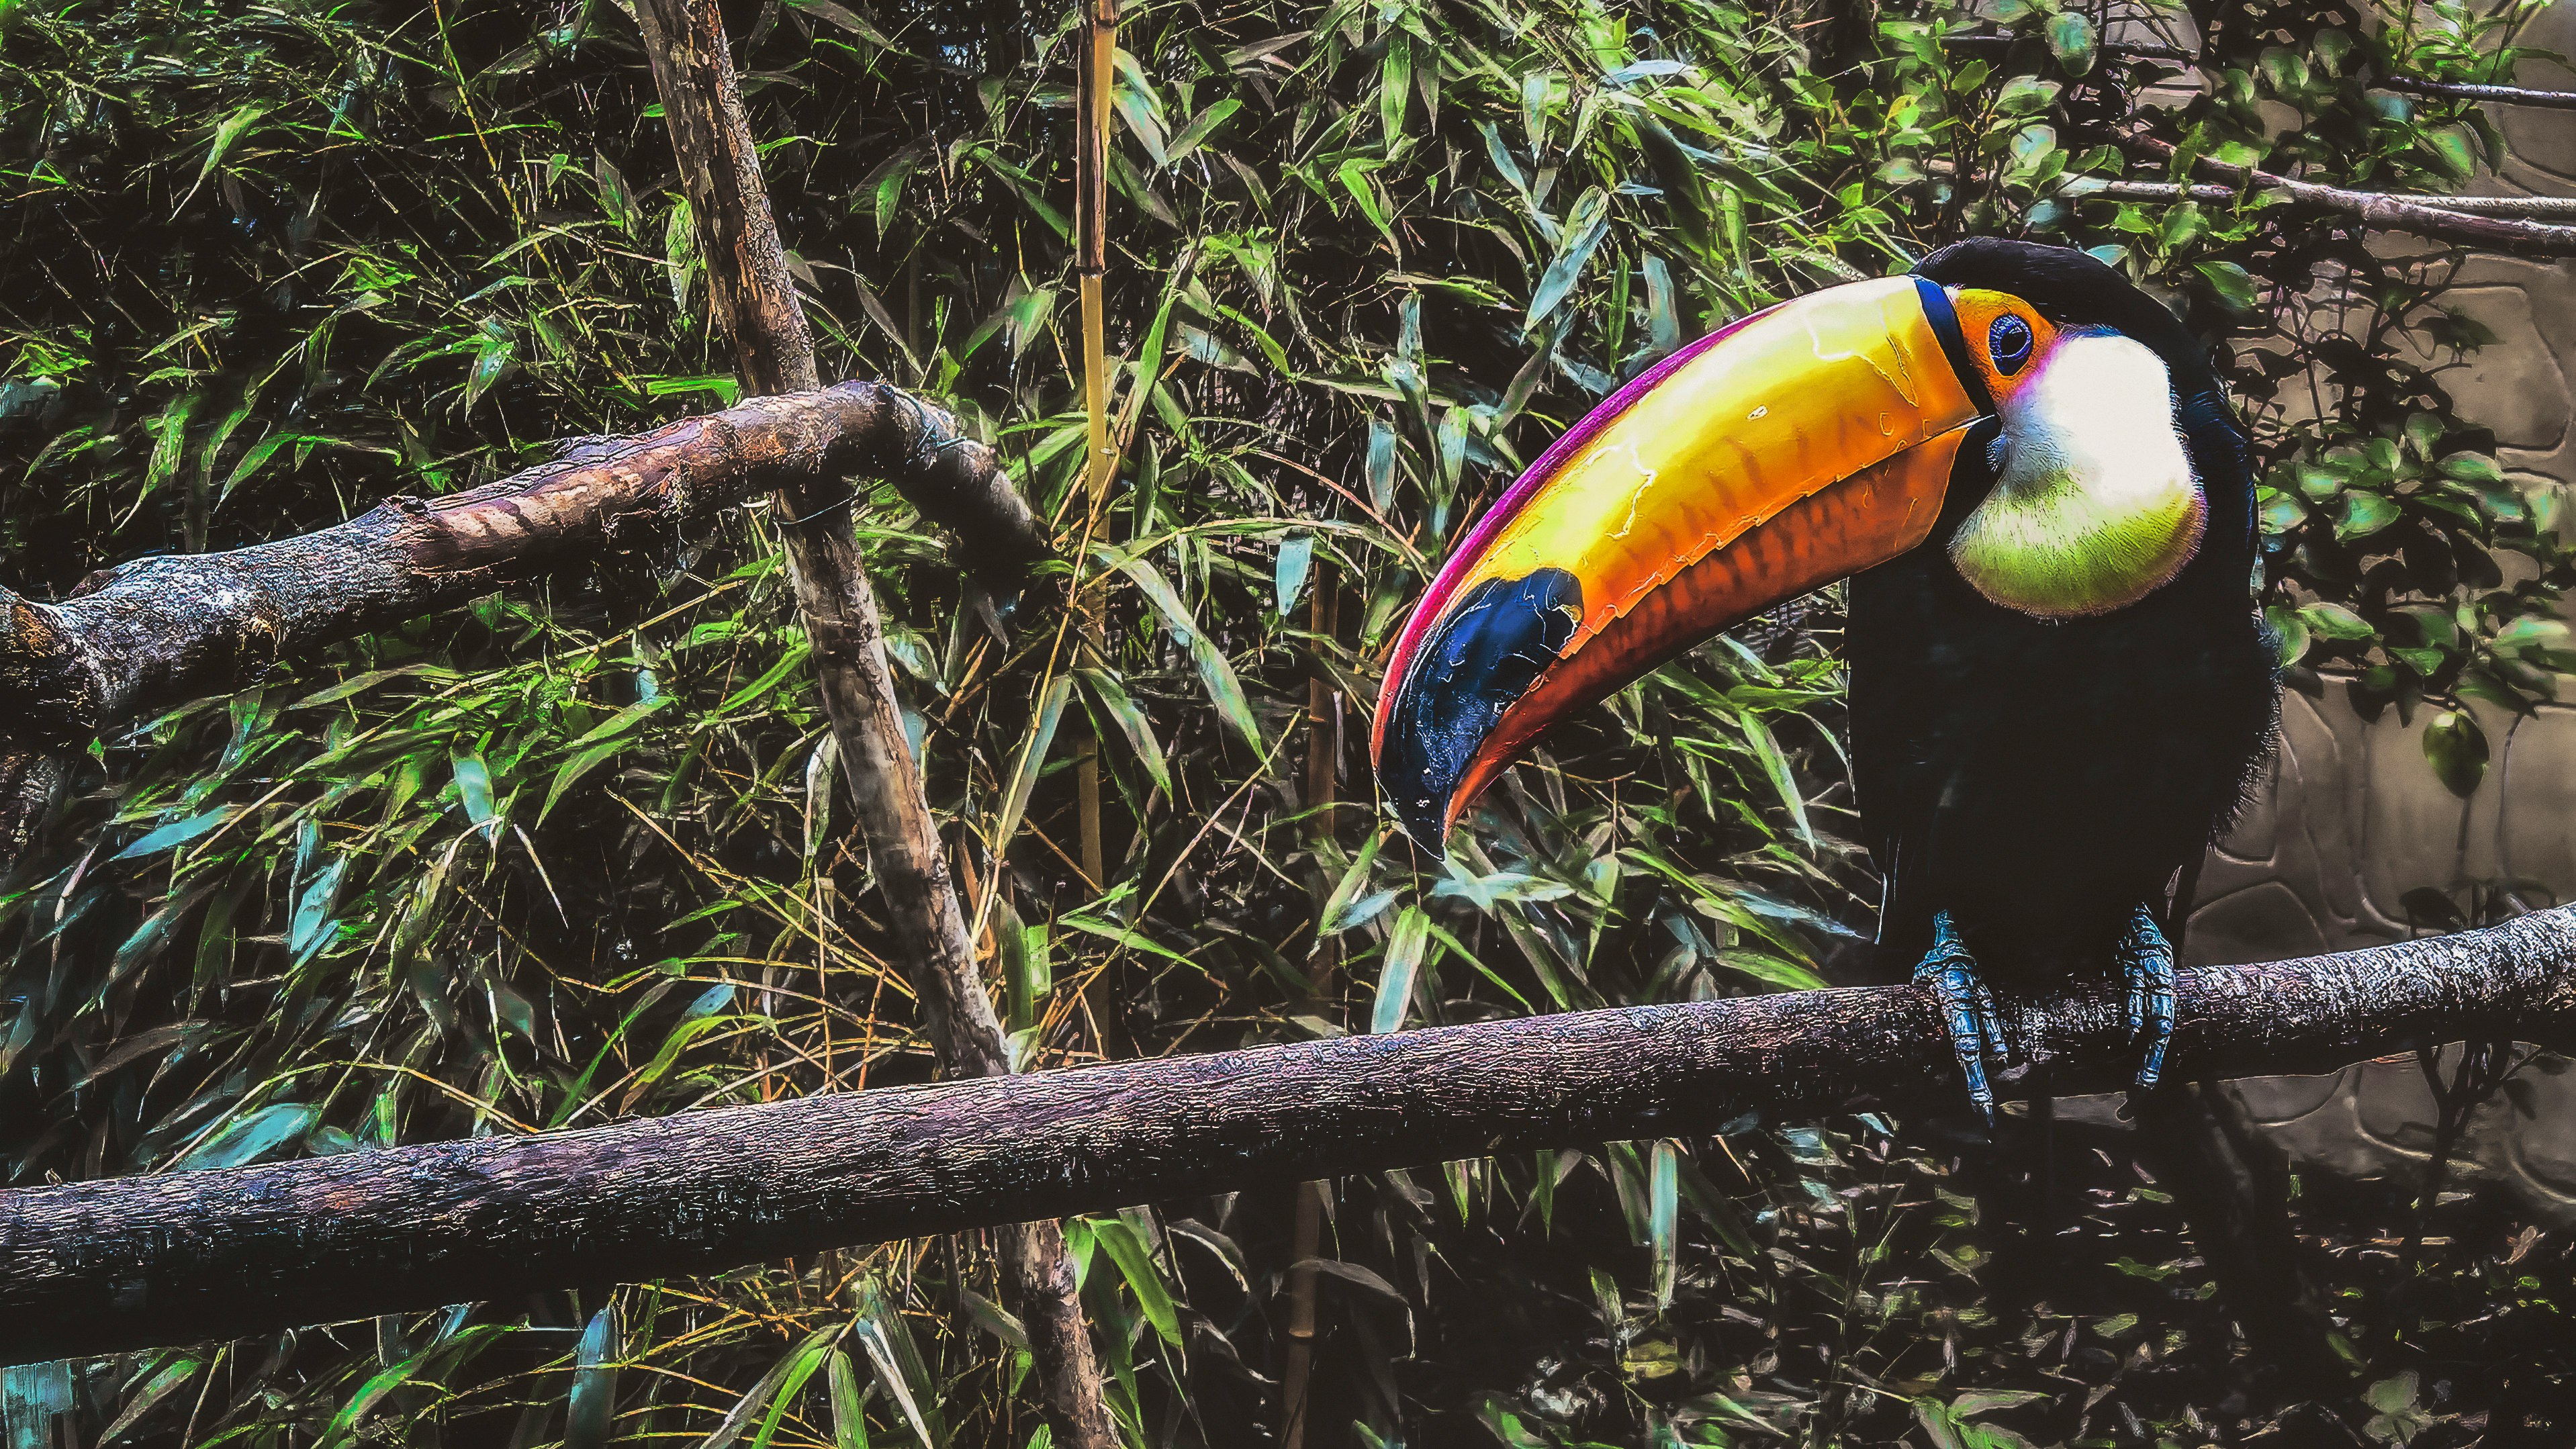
{"x":1795,"y":447}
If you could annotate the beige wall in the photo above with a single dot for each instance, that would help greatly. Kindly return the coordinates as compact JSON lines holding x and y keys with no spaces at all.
{"x":2352,"y":817}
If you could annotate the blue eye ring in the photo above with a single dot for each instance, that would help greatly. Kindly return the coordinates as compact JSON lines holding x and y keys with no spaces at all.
{"x":2008,"y":343}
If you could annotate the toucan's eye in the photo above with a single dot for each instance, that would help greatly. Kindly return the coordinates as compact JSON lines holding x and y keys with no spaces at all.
{"x":2008,"y":343}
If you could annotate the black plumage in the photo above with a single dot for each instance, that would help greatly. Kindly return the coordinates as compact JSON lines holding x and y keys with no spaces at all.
{"x":2038,"y":781}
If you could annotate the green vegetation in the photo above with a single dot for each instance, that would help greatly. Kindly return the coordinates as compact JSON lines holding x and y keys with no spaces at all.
{"x":576,"y":854}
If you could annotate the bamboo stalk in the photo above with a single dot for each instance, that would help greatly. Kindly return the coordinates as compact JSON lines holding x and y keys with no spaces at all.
{"x":128,"y":1263}
{"x":1091,"y":207}
{"x":1323,"y":726}
{"x":757,"y":305}
{"x":1091,"y":266}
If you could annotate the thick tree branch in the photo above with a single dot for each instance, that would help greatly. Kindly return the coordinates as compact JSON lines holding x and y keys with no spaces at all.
{"x":100,"y":1267}
{"x":755,"y":302}
{"x":163,"y":630}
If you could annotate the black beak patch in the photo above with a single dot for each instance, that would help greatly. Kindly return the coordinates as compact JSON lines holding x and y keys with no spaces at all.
{"x":1483,"y":657}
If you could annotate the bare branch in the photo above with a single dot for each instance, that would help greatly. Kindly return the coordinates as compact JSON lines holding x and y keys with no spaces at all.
{"x":102,"y":1267}
{"x":2528,"y":207}
{"x":2392,"y":213}
{"x":2463,"y":91}
{"x":162,"y":630}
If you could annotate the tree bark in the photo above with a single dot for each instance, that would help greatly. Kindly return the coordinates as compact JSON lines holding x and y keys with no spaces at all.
{"x":756,"y":304}
{"x":109,"y":1266}
{"x":159,"y":631}
{"x":2424,"y":217}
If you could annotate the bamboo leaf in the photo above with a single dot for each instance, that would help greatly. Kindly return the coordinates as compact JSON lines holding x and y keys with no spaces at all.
{"x":1126,"y":1248}
{"x":1663,"y":1209}
{"x":593,"y":1400}
{"x":177,"y":833}
{"x":1131,"y":722}
{"x":881,"y":1332}
{"x":1585,"y":225}
{"x":1395,"y":977}
{"x":797,"y":1364}
{"x":250,"y":1138}
{"x":1024,"y":776}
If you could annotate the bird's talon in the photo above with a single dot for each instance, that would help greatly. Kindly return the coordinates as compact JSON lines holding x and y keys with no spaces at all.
{"x":1967,"y":1011}
{"x":2147,"y":973}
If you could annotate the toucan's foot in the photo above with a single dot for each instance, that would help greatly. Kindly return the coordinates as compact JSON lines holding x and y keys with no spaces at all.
{"x":2147,"y":973}
{"x":1967,"y":1010}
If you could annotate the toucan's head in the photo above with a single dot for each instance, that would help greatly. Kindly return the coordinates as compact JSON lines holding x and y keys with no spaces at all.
{"x":1795,"y":447}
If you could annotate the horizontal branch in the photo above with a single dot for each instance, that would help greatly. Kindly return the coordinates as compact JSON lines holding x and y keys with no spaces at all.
{"x":2208,"y":194}
{"x":2465,"y":91}
{"x":100,"y":1267}
{"x":162,"y":630}
{"x":2392,"y":213}
{"x":2407,"y":85}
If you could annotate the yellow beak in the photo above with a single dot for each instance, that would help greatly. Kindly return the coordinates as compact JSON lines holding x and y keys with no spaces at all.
{"x":1798,"y":446}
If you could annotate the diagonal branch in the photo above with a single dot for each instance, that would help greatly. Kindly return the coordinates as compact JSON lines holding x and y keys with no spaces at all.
{"x":102,"y":1267}
{"x":757,"y":306}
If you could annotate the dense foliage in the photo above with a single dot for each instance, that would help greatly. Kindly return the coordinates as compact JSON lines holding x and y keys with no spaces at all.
{"x":577,"y":855}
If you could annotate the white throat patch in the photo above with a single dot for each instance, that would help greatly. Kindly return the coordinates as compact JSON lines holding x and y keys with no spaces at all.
{"x":2095,"y":505}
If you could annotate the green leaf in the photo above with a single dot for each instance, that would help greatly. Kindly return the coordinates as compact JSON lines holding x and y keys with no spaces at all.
{"x":313,"y":905}
{"x":2290,"y":629}
{"x":1033,"y":756}
{"x":2334,"y":621}
{"x":250,"y":1138}
{"x":1204,"y":125}
{"x":2363,"y":515}
{"x":473,"y":787}
{"x":880,"y":1330}
{"x":1332,"y":919}
{"x":177,"y":833}
{"x":2072,"y":40}
{"x":1776,"y":766}
{"x":593,"y":1400}
{"x":1224,"y":690}
{"x":1986,"y":1401}
{"x":1404,"y":946}
{"x":847,"y":19}
{"x":849,"y":1408}
{"x":1131,"y":721}
{"x":1126,"y":1248}
{"x":2454,"y":150}
{"x":1663,"y":1212}
{"x":2233,"y":284}
{"x":2457,"y":748}
{"x":798,"y":1363}
{"x":801,"y":1365}
{"x":227,"y":131}
{"x":1296,"y":560}
{"x":1585,"y":225}
{"x":1394,"y":87}
{"x":613,"y":738}
{"x":178,"y":1371}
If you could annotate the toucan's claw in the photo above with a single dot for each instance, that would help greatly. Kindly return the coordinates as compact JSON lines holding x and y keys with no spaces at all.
{"x":1967,"y":1010}
{"x":2147,"y":971}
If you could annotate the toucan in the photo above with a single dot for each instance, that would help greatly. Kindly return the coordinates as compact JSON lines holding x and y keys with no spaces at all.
{"x":2061,"y":685}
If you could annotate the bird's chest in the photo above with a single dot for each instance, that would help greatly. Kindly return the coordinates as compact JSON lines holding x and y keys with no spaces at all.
{"x":2045,"y":764}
